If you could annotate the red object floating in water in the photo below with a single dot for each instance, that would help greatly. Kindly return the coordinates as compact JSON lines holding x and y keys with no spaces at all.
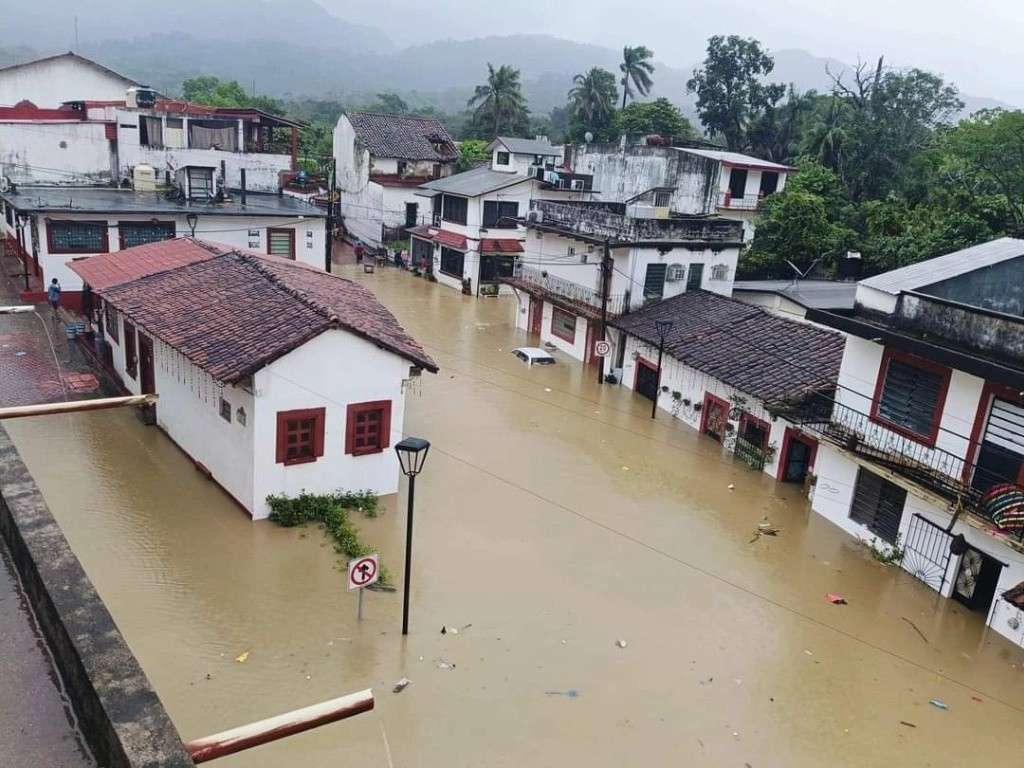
{"x":835,"y":599}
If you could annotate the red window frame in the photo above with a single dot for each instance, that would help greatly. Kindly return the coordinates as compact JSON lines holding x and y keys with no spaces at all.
{"x":575,"y":321}
{"x":945,"y":372}
{"x":709,"y":400}
{"x":359,"y":412}
{"x":790,"y":436}
{"x":51,"y":248}
{"x":317,"y":417}
{"x":750,"y":418}
{"x":989,"y":393}
{"x":278,"y":231}
{"x":131,"y":355}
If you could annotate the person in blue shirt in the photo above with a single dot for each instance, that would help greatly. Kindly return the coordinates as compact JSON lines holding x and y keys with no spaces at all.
{"x":53,"y":296}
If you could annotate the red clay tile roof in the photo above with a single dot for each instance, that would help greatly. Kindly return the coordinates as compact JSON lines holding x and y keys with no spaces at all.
{"x":405,"y":137}
{"x":236,"y":312}
{"x":450,"y":239}
{"x":110,"y":269}
{"x":776,"y":360}
{"x":498,"y":245}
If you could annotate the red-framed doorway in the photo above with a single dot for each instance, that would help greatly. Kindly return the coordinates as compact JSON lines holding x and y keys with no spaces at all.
{"x":790,"y":437}
{"x":714,"y":414}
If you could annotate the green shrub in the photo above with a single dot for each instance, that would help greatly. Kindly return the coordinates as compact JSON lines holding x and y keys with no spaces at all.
{"x":331,"y":511}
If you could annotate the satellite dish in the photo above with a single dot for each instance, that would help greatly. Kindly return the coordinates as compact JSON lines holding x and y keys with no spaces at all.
{"x":588,"y":137}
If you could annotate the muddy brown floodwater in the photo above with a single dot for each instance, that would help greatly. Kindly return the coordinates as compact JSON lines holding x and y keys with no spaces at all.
{"x":553,"y":519}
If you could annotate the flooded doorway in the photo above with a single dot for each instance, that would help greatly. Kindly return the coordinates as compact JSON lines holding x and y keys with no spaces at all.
{"x":798,"y":454}
{"x":976,"y":580}
{"x":646,"y":379}
{"x":148,"y":380}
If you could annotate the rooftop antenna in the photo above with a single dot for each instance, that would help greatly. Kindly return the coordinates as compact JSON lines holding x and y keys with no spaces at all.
{"x":801,"y":275}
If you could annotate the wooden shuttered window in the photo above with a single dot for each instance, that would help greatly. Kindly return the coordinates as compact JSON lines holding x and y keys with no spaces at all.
{"x":911,"y":396}
{"x":368,"y":428}
{"x":300,"y":435}
{"x":878,"y":505}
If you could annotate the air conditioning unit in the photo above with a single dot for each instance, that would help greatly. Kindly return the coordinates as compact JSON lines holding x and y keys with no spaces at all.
{"x":675,"y":272}
{"x":535,"y":217}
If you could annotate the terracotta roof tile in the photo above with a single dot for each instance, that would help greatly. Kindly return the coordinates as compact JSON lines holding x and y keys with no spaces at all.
{"x":776,"y":360}
{"x":235,"y":312}
{"x":110,"y":269}
{"x":406,"y":137}
{"x":450,"y":239}
{"x":500,"y":245}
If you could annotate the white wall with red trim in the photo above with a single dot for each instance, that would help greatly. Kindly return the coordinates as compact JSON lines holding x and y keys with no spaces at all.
{"x":49,"y":83}
{"x":693,"y":385}
{"x":310,"y":234}
{"x":331,"y":371}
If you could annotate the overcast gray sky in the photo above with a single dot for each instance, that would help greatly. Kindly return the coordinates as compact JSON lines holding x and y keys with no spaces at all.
{"x":976,"y":44}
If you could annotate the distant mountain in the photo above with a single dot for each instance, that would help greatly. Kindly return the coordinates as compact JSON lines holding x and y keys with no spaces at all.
{"x":294,"y":48}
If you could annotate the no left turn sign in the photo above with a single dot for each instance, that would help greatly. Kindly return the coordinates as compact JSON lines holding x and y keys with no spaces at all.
{"x":363,"y":571}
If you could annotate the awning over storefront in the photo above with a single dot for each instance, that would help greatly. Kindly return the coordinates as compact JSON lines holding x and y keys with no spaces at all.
{"x":498,"y":245}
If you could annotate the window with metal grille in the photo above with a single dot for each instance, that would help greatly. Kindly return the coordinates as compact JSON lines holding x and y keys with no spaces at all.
{"x":662,"y":199}
{"x":281,"y":242}
{"x":112,"y":330}
{"x":455,"y":209}
{"x":131,"y":357}
{"x":300,"y":435}
{"x":500,"y":214}
{"x":369,"y":427}
{"x":911,"y":396}
{"x":695,"y":277}
{"x":77,"y":236}
{"x":452,"y":262}
{"x":134,"y":233}
{"x":504,"y":158}
{"x":654,"y":281}
{"x":225,"y":410}
{"x":563,"y":325}
{"x":878,"y":505}
{"x":720,"y":272}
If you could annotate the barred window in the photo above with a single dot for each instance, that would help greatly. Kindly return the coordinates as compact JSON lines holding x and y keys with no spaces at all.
{"x":77,"y":236}
{"x":133,"y":233}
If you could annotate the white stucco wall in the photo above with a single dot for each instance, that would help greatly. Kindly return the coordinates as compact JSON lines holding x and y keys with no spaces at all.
{"x":331,"y":371}
{"x":575,"y":349}
{"x":188,"y":410}
{"x":56,"y":153}
{"x":693,"y":385}
{"x":232,"y":230}
{"x":51,"y":83}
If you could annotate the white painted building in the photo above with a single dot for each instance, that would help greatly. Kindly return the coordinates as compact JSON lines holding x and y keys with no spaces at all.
{"x":268,"y":391}
{"x":924,"y":447}
{"x":721,"y":376}
{"x":558,"y":279}
{"x":381,"y":160}
{"x":476,"y":231}
{"x":50,"y":227}
{"x":51,"y":81}
{"x":688,"y":180}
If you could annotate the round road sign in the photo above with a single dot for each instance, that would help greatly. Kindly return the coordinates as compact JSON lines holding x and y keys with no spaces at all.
{"x":602,"y":348}
{"x":363,"y":572}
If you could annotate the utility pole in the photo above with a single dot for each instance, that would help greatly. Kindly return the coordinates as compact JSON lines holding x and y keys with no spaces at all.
{"x":332,"y":191}
{"x":606,"y":279}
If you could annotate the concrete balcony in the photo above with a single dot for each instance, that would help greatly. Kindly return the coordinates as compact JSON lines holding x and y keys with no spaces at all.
{"x":582,"y":298}
{"x":727,"y":202}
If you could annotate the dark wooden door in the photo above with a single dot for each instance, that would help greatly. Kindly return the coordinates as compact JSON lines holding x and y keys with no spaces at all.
{"x":147,"y":372}
{"x":536,"y":314}
{"x":646,"y":380}
{"x":798,"y":461}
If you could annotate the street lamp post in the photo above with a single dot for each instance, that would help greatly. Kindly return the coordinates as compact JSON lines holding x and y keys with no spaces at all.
{"x":662,"y":327}
{"x":412,"y":453}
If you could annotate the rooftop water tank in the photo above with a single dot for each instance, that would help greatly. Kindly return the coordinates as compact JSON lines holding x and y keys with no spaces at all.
{"x":144,"y":178}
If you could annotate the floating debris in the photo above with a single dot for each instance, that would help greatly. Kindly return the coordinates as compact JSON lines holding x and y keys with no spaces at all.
{"x":621,"y":643}
{"x":401,"y":685}
{"x":909,"y":725}
{"x":242,"y":657}
{"x":835,"y":599}
{"x":939,"y":704}
{"x":572,"y":693}
{"x":731,"y":487}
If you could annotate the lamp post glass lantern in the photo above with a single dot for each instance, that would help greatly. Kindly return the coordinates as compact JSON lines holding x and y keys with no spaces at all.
{"x":662,"y":327}
{"x":412,"y":454}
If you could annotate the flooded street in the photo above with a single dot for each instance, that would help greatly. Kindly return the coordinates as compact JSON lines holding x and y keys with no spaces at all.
{"x":553,"y":518}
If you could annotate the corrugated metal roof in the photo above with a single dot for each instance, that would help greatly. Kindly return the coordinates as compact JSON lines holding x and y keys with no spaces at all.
{"x":815,"y":294}
{"x":527,"y":146}
{"x":940,"y":268}
{"x":477,"y":181}
{"x":735,"y":158}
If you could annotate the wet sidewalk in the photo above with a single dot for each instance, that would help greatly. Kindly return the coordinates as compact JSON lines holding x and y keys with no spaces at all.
{"x":37,"y":725}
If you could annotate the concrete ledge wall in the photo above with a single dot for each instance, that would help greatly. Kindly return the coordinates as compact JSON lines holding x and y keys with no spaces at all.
{"x":120,"y":714}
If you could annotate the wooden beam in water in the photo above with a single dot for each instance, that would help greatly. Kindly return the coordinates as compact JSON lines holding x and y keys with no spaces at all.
{"x":74,"y":406}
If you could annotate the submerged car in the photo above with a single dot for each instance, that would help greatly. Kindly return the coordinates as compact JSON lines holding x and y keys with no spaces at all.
{"x":534,"y":356}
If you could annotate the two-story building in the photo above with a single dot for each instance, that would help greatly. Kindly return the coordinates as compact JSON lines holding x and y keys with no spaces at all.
{"x":476,"y":230}
{"x":48,"y":228}
{"x":684,"y":179}
{"x":54,"y":80}
{"x":381,"y":160}
{"x":922,"y":448}
{"x":582,"y":258}
{"x":272,"y":376}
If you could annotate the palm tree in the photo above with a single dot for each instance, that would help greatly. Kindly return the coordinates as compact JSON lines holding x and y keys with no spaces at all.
{"x":501,"y":99}
{"x":592,"y":98}
{"x":636,"y":71}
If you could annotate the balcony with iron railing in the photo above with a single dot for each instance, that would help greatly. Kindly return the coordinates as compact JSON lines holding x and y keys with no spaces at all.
{"x":608,"y":221}
{"x":582,"y":297}
{"x":730,"y":202}
{"x":959,"y":481}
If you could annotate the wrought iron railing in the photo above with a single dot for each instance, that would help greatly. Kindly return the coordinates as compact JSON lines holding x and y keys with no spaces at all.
{"x":749,"y":453}
{"x":574,"y":292}
{"x":946,"y":474}
{"x":745,"y":203}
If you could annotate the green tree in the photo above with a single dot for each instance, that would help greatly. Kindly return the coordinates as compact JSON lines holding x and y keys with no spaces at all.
{"x":592,"y":103}
{"x":636,"y":68}
{"x":499,"y":103}
{"x":808,"y":220}
{"x":472,"y":152}
{"x":986,"y":153}
{"x":391,"y":104}
{"x":659,"y":116}
{"x":214,"y":92}
{"x":731,"y":94}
